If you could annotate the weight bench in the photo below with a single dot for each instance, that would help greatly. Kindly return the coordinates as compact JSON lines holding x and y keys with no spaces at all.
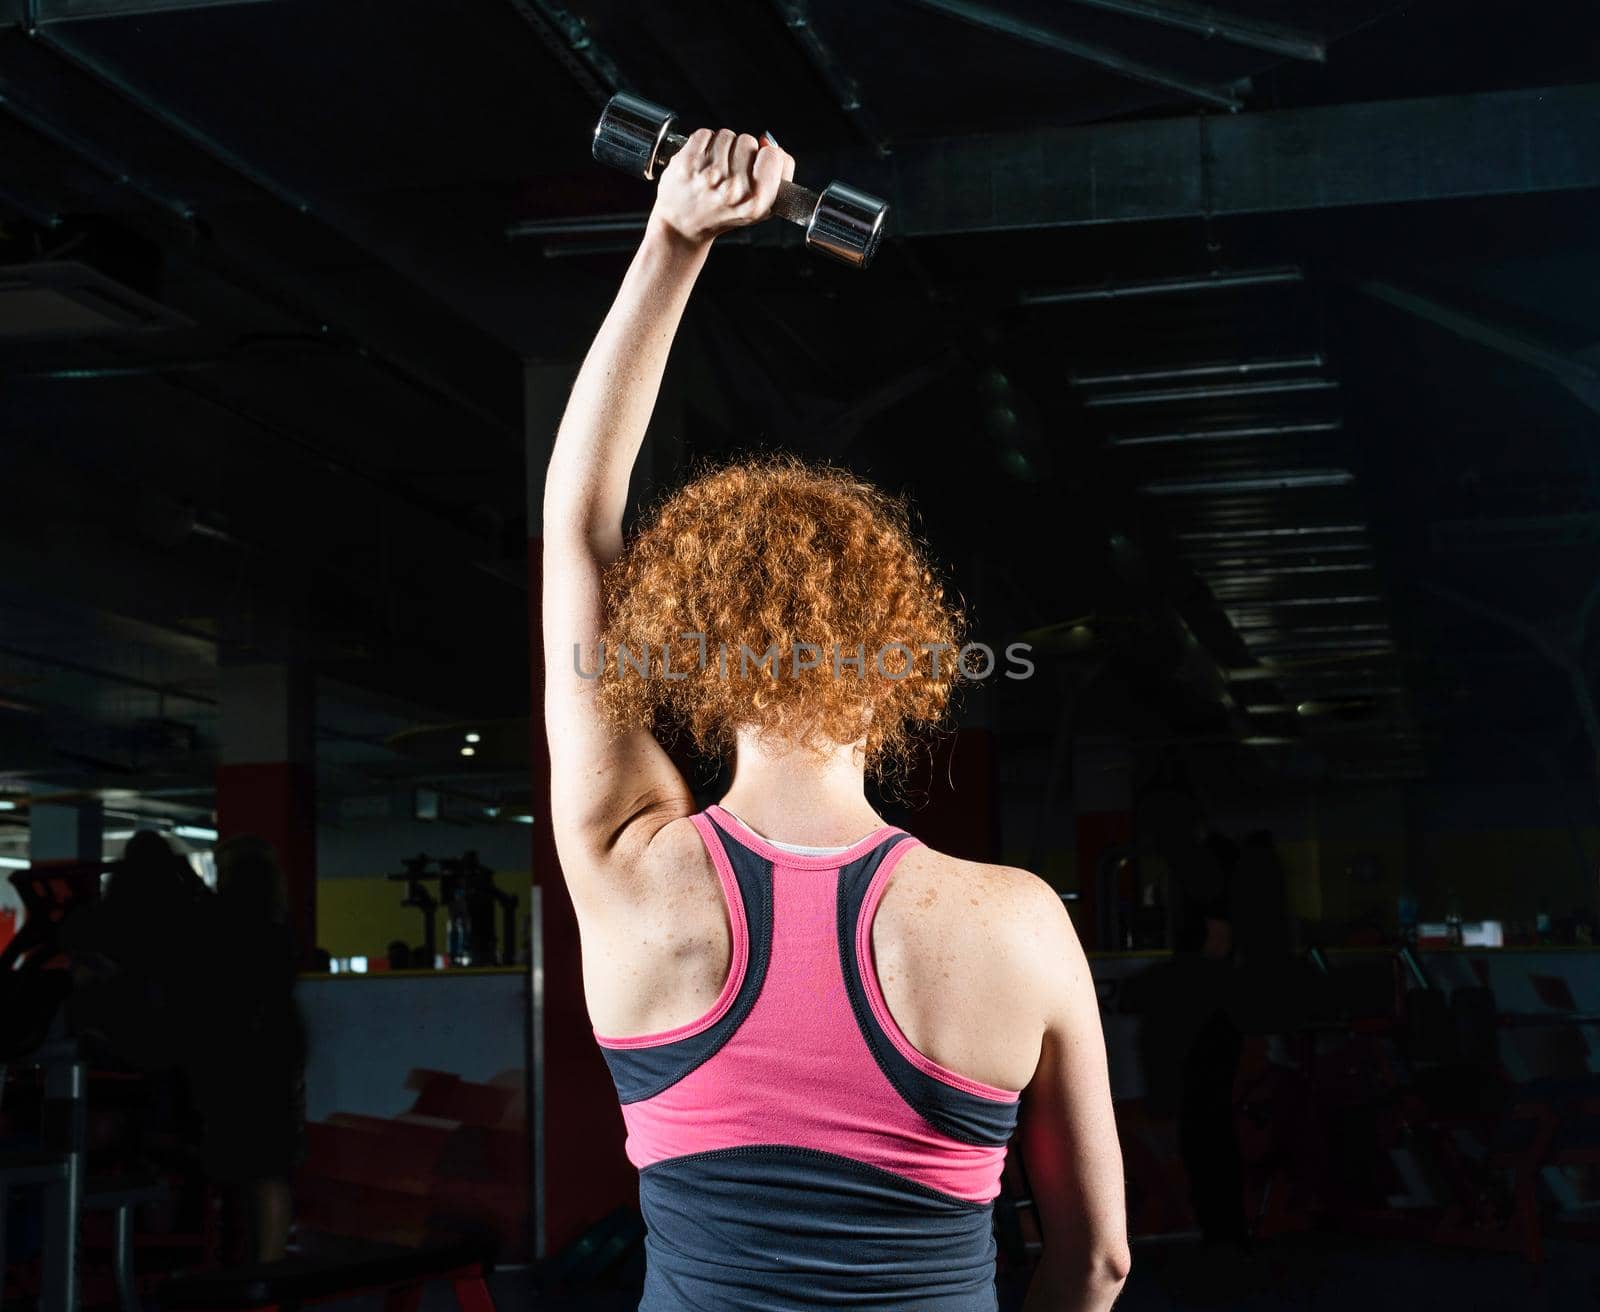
{"x":398,"y":1273}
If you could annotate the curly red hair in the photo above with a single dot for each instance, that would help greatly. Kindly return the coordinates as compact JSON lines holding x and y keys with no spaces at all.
{"x":779,"y":553}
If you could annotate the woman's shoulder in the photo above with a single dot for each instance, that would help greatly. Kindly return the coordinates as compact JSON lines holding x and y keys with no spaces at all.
{"x":997,"y":913}
{"x":1003,"y":889}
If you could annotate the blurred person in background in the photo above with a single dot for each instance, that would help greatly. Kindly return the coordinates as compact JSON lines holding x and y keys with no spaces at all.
{"x":250,"y":1081}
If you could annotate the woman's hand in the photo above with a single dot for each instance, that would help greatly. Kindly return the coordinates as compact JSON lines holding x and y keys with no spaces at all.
{"x":719,"y":181}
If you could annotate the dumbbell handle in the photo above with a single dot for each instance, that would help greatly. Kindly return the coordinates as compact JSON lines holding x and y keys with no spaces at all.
{"x":795,"y":203}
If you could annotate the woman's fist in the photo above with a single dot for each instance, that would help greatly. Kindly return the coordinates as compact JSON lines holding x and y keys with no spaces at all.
{"x":718,"y":181}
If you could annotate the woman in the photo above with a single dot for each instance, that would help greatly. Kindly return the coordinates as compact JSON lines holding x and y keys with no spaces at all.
{"x":818,"y":1027}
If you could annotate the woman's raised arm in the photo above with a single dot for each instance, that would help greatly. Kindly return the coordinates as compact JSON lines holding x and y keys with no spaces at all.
{"x":608,"y":787}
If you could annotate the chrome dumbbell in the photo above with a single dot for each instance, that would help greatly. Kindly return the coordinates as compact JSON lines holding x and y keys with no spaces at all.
{"x":636,"y":136}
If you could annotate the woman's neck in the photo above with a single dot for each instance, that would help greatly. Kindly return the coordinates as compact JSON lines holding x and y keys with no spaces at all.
{"x":794,"y":796}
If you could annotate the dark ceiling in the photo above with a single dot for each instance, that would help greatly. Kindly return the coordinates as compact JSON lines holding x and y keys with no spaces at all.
{"x":1250,"y":374}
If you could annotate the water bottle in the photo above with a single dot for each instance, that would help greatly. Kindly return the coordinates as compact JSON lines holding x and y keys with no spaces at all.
{"x":458,"y":944}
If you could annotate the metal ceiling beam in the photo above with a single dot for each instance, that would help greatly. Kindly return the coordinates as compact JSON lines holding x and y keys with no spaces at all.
{"x":171,"y":691}
{"x":797,"y":18}
{"x":114,"y":170}
{"x":1205,"y":21}
{"x":67,"y":11}
{"x":348,"y":228}
{"x":28,"y":208}
{"x":565,"y":36}
{"x":1002,"y":24}
{"x":1580,"y":376}
{"x":1491,"y":143}
{"x":1282,"y":161}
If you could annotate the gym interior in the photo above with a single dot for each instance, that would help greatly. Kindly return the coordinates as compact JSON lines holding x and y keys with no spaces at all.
{"x":1241,"y":366}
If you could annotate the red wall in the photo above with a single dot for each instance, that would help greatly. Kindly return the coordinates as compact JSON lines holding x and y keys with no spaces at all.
{"x":277,"y":801}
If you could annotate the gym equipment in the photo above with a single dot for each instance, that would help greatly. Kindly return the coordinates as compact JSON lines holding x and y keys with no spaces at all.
{"x":469,"y":896}
{"x":636,"y":136}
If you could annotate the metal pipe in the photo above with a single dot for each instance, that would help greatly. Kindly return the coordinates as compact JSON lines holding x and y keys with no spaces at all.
{"x":1005,"y":25}
{"x":1218,"y":278}
{"x":90,"y":154}
{"x":1207,"y":22}
{"x":1162,"y":395}
{"x":1314,"y":360}
{"x":536,"y":1069}
{"x":64,"y":1099}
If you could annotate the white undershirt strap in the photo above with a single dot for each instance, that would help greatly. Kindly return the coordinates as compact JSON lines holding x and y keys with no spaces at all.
{"x":799,"y":849}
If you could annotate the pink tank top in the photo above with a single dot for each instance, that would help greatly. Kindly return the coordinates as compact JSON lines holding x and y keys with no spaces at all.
{"x":796,"y":1104}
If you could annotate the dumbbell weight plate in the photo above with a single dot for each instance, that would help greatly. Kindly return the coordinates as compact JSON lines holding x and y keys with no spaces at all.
{"x":846,"y":224}
{"x":630,"y":135}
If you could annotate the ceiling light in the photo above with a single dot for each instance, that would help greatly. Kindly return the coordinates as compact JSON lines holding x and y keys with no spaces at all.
{"x":1302,"y":530}
{"x":1355,"y":650}
{"x":13,"y":863}
{"x":6,"y":805}
{"x":1253,"y":555}
{"x":523,"y":819}
{"x":1240,"y":367}
{"x":469,"y":751}
{"x":1275,"y":624}
{"x":1231,"y":570}
{"x":1111,"y":291}
{"x":1324,"y":706}
{"x":1267,"y":604}
{"x":1224,"y":391}
{"x":473,"y":737}
{"x":200,"y":832}
{"x":1277,"y":481}
{"x":1236,"y":433}
{"x":1268,"y":740}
